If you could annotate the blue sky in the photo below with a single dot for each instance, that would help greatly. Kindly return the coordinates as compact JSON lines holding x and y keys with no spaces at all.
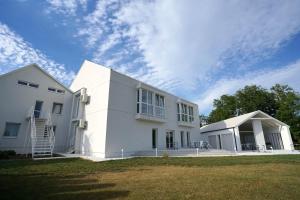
{"x":195,"y":49}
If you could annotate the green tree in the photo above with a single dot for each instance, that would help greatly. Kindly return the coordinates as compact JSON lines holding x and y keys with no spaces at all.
{"x":252,"y":98}
{"x":288,"y":108}
{"x":224,"y":108}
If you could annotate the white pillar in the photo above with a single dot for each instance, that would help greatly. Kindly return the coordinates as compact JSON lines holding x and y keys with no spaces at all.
{"x":286,"y":138}
{"x":258,"y":133}
{"x":237,"y":139}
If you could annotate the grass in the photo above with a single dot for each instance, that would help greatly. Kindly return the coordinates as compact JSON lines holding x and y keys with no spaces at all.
{"x":255,"y":177}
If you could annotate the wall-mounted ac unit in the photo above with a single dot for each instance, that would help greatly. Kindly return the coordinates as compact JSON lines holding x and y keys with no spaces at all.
{"x":84,"y":98}
{"x":82,"y":124}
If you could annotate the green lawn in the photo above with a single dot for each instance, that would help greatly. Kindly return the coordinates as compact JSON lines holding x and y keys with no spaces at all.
{"x":255,"y":177}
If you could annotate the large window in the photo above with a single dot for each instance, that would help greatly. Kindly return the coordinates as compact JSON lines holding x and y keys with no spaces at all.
{"x":185,"y":113}
{"x":159,"y":106}
{"x":11,"y":129}
{"x":149,"y":103}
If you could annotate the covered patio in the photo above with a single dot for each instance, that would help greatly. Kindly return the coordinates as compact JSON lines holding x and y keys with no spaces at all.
{"x":256,"y":131}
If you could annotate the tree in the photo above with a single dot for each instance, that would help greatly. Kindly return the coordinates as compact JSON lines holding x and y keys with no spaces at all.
{"x":225,"y":107}
{"x":252,"y":98}
{"x":288,"y":108}
{"x":203,"y":120}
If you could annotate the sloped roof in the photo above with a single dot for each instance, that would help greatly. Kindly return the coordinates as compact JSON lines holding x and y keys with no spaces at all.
{"x":236,"y":121}
{"x":39,"y":68}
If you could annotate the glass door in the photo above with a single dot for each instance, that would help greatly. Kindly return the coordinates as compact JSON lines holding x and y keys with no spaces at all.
{"x":38,"y":109}
{"x":170,"y":139}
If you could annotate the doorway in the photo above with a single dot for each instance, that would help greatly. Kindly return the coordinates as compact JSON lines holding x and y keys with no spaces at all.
{"x":170,"y":144}
{"x":154,"y":138}
{"x":37,"y":109}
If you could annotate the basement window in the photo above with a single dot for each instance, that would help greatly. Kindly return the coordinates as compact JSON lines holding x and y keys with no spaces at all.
{"x":11,"y":129}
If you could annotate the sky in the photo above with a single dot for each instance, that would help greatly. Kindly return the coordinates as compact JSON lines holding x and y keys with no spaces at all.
{"x":196,"y":49}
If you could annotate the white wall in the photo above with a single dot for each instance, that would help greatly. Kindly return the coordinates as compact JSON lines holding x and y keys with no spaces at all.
{"x":131,"y":134}
{"x":286,"y":138}
{"x":258,"y":133}
{"x":16,"y":100}
{"x":96,"y":80}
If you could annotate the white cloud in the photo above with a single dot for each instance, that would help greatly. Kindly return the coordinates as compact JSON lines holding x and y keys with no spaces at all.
{"x":267,"y":78}
{"x":68,"y":7}
{"x":15,"y":53}
{"x":187,"y":40}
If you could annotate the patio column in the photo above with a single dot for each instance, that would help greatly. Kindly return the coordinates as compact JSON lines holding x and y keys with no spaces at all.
{"x":286,"y":138}
{"x":259,"y":134}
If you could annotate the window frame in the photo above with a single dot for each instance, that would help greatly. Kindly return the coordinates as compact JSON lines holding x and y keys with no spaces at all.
{"x":18,"y":129}
{"x":60,"y":110}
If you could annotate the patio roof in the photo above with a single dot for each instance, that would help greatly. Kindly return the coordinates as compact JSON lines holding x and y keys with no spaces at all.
{"x":236,"y":121}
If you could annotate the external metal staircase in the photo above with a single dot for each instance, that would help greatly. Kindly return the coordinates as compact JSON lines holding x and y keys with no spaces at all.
{"x":42,"y":135}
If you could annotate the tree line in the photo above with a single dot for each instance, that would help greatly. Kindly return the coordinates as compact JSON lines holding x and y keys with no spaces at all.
{"x":280,"y":101}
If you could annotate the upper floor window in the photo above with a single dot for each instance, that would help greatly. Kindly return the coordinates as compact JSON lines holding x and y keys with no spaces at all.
{"x":51,"y":89}
{"x":185,"y":113}
{"x":57,"y":108}
{"x":149,"y":103}
{"x":25,"y":83}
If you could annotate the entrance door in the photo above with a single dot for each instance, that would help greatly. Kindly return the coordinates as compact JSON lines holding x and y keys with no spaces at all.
{"x":38,"y":109}
{"x":170,"y":140}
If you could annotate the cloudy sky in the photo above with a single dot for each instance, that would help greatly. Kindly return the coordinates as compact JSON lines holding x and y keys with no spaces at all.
{"x":195,"y":49}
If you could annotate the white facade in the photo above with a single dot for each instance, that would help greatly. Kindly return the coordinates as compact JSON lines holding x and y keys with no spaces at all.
{"x":20,"y":90}
{"x":114,"y":123}
{"x":103,"y":113}
{"x":252,"y":131}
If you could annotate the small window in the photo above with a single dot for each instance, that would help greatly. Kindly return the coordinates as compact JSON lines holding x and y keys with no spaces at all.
{"x":33,"y":85}
{"x":22,"y":83}
{"x":60,"y":91}
{"x":57,"y":108}
{"x":11,"y":129}
{"x":51,"y":89}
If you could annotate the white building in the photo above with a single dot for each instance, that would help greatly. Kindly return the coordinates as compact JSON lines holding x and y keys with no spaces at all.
{"x":102,"y":113}
{"x":252,"y":131}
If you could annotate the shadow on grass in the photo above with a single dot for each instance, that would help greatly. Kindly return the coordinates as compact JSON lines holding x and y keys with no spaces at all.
{"x":42,"y":186}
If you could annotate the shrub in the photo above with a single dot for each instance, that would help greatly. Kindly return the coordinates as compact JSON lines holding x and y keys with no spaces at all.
{"x":7,"y":154}
{"x":165,"y":155}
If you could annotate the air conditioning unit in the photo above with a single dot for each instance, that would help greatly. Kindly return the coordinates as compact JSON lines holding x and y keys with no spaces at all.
{"x":82,"y":91}
{"x":84,"y":98}
{"x":82,"y":124}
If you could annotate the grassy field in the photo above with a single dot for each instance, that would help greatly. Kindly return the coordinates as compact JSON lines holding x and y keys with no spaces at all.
{"x":257,"y":177}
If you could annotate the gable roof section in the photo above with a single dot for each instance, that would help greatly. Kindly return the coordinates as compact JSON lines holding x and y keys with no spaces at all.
{"x":236,"y":121}
{"x":39,"y":68}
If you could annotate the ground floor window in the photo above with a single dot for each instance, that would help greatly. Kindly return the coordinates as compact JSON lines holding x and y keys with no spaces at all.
{"x":11,"y":129}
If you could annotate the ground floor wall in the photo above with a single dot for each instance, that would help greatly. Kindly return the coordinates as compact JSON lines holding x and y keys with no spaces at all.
{"x":132,"y":135}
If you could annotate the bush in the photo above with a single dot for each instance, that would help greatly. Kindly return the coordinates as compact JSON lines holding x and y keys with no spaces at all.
{"x":165,"y":155}
{"x":7,"y":154}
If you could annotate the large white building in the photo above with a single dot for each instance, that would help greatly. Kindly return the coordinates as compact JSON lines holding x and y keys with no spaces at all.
{"x":102,"y":114}
{"x":106,"y":114}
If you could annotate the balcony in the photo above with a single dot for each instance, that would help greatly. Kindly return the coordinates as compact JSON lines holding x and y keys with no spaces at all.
{"x":186,"y":124}
{"x":141,"y":116}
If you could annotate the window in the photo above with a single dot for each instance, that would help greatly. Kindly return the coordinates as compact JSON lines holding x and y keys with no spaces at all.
{"x":185,"y":113}
{"x":154,"y":138}
{"x":188,"y":139}
{"x":76,"y":102}
{"x":149,"y":103}
{"x":60,"y":91}
{"x":159,"y":106}
{"x":11,"y":129}
{"x":25,"y":83}
{"x":57,"y":108}
{"x":182,"y":138}
{"x":51,"y":89}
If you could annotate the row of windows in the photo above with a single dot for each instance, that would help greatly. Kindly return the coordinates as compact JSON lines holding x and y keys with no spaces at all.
{"x":50,"y":89}
{"x":34,"y":85}
{"x":185,"y":139}
{"x":151,"y":104}
{"x":185,"y":113}
{"x":25,"y":83}
{"x":12,"y":129}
